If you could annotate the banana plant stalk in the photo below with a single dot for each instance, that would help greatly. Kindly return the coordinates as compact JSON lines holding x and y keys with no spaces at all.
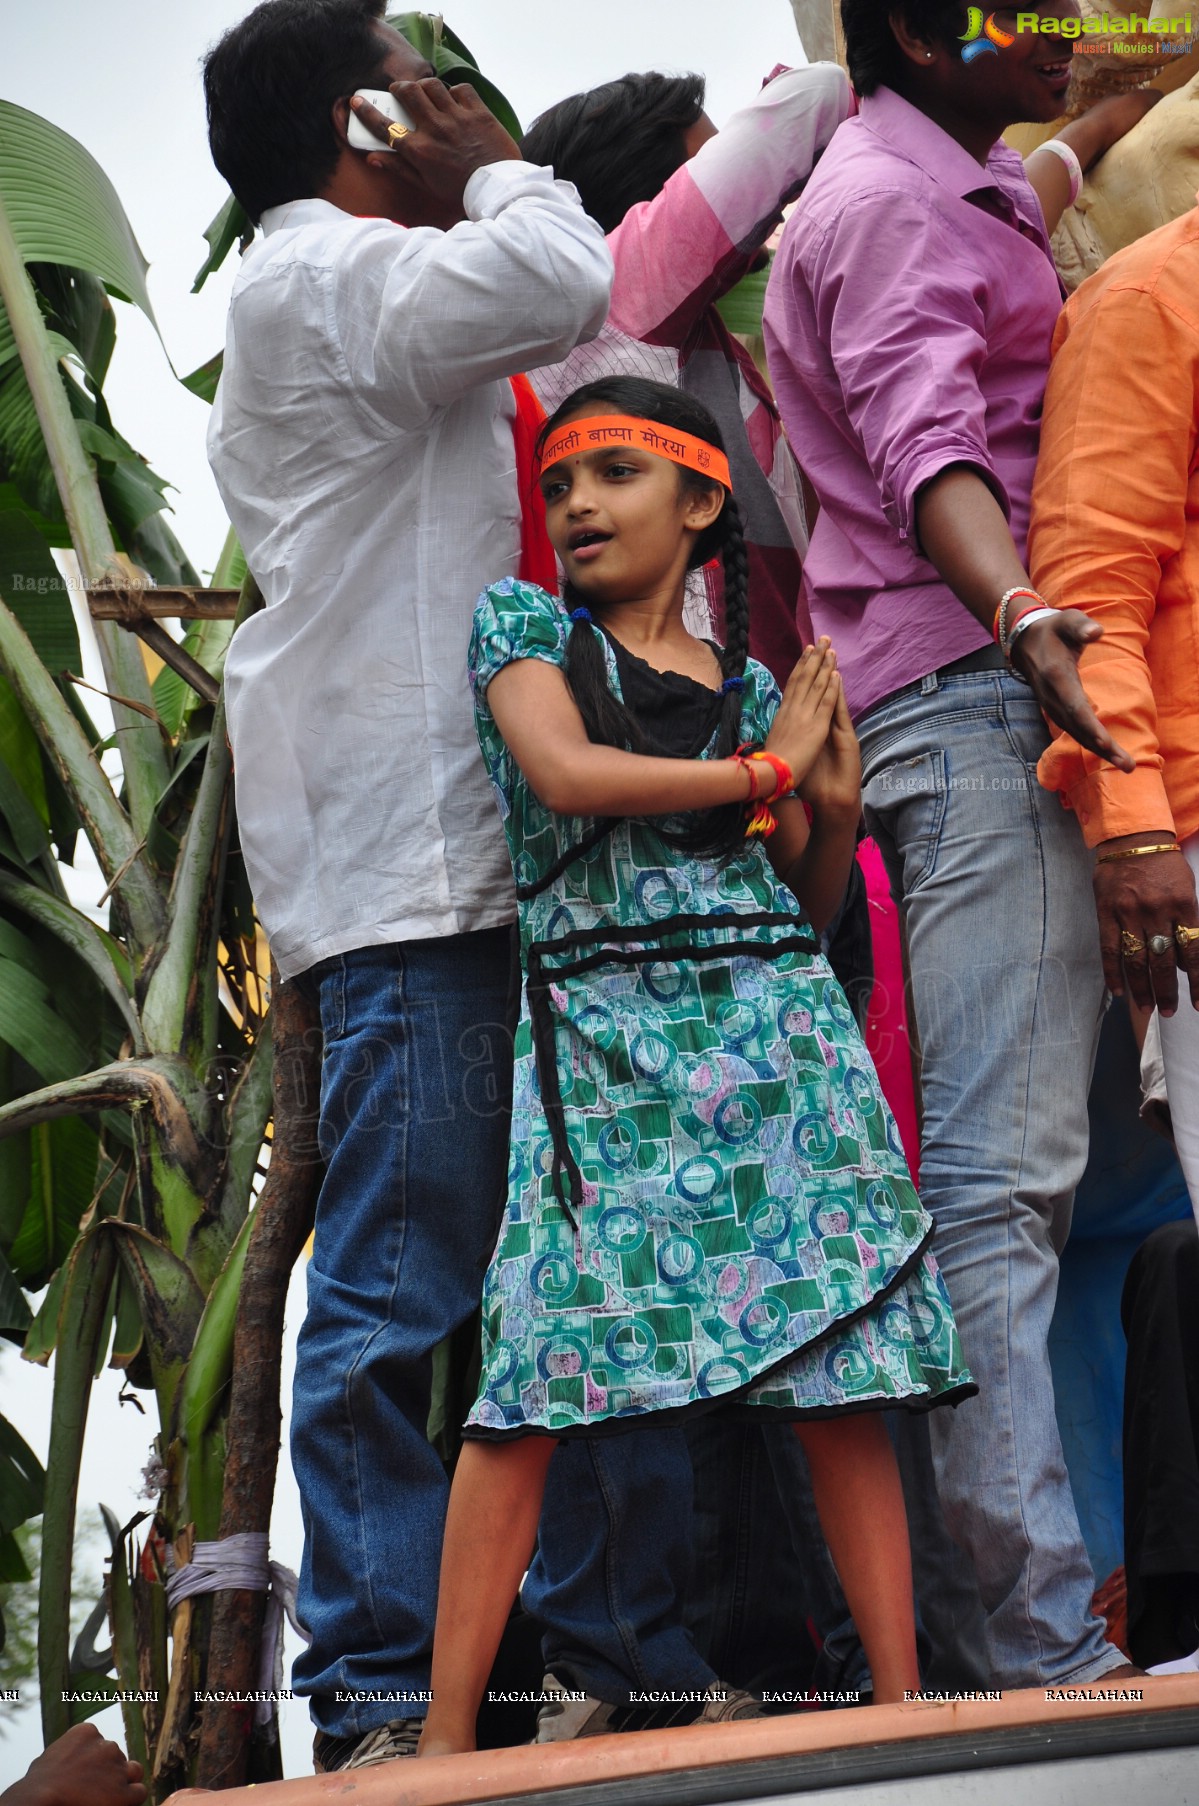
{"x":165,"y":1077}
{"x":172,"y":1243}
{"x":142,"y":754}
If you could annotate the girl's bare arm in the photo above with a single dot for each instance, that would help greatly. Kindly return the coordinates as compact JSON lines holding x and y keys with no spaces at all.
{"x":814,"y":862}
{"x":571,"y":775}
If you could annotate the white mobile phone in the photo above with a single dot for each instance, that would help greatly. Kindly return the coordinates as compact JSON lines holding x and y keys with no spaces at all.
{"x":357,"y":133}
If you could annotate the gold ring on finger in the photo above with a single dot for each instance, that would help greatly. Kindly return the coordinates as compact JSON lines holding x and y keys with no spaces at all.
{"x":1159,"y":944}
{"x":396,"y":132}
{"x":1185,"y":936}
{"x":1129,"y":944}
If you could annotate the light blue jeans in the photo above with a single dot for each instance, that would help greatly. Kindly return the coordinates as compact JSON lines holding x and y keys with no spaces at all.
{"x":994,"y":884}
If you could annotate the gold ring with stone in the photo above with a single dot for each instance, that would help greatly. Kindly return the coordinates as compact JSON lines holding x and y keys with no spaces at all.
{"x":1129,"y":944}
{"x":1185,"y":936}
{"x":396,"y":131}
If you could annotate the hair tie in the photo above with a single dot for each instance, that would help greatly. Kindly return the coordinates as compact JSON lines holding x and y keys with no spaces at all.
{"x":580,"y":614}
{"x":732,"y":683}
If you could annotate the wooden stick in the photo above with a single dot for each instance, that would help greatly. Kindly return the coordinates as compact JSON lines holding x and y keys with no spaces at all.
{"x":183,"y":603}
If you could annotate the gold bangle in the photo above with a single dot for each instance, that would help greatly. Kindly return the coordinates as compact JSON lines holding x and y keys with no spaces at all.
{"x":1167,"y":846}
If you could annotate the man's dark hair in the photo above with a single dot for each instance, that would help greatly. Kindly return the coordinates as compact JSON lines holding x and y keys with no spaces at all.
{"x":618,"y":144}
{"x":270,"y":85}
{"x":874,"y":58}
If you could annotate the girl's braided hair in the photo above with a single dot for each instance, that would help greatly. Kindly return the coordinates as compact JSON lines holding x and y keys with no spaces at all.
{"x":713,"y":834}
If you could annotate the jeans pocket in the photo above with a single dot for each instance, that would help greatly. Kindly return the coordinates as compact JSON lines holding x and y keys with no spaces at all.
{"x":904,"y":803}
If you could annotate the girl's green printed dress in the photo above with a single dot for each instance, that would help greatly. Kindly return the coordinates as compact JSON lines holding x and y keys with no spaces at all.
{"x":707,"y":1195}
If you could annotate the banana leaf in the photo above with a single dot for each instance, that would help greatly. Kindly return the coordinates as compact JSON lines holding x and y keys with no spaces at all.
{"x":431,"y":36}
{"x":64,"y":209}
{"x":741,"y":308}
{"x":33,"y":588}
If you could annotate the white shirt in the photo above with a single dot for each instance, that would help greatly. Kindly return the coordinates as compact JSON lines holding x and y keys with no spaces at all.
{"x":362,"y":444}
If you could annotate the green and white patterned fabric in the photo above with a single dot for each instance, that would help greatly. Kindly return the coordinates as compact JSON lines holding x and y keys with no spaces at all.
{"x":707,"y":1197}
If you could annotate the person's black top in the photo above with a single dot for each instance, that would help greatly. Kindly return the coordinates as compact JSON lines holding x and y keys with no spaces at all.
{"x":677,"y":714}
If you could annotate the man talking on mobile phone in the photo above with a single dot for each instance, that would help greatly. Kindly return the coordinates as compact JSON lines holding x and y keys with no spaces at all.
{"x":366,"y":442}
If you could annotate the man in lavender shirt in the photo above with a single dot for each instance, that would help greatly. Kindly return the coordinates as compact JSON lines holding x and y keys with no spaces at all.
{"x":908,"y":328}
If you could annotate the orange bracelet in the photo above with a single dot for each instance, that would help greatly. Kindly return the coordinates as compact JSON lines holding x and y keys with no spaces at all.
{"x":761,"y":816}
{"x":785,"y":782}
{"x":784,"y":778}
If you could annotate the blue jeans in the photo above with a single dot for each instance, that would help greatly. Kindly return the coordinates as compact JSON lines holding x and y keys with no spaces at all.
{"x":613,"y":1565}
{"x":675,"y":1558}
{"x":994,"y":884}
{"x":415,"y":1099}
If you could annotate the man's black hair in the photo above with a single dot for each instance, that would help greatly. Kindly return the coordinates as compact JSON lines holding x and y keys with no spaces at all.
{"x":270,"y":85}
{"x":871,"y":51}
{"x":618,"y":144}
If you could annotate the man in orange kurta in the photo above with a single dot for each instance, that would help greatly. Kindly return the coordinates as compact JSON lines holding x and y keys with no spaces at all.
{"x":1115,"y":532}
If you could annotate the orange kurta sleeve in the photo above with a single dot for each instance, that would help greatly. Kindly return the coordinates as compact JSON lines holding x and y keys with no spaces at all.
{"x":1109,"y":517}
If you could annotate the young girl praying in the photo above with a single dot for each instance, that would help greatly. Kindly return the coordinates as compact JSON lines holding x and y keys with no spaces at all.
{"x":708,"y":1203}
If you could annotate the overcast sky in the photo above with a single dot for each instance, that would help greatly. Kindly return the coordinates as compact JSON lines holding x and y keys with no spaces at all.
{"x":123,"y":77}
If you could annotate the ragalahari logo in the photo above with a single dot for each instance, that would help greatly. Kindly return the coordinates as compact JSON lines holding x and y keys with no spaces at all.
{"x":982,"y":37}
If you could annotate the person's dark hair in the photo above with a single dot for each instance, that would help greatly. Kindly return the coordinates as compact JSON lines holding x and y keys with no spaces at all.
{"x":618,"y":144}
{"x":270,"y":85}
{"x":871,"y":52}
{"x":709,"y":833}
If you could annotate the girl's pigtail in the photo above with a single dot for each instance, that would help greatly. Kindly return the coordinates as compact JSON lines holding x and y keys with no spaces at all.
{"x":736,"y":626}
{"x":718,"y":834}
{"x":607,"y":721}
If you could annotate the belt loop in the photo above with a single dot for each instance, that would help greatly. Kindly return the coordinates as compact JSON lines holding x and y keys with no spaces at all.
{"x":930,"y":683}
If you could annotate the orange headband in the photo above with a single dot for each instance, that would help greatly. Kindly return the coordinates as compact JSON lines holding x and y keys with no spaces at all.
{"x":649,"y":435}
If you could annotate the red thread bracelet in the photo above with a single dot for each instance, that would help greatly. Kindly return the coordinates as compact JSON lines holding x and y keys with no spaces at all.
{"x":761,"y":812}
{"x":784,"y":779}
{"x":751,"y":795}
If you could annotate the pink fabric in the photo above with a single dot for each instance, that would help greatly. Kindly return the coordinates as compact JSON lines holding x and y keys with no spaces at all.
{"x":887,"y":1023}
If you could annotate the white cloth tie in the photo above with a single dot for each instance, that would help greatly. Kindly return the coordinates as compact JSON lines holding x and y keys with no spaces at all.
{"x":242,"y":1564}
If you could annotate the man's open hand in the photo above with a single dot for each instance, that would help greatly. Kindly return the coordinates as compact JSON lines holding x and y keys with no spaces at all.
{"x":1047,"y":654}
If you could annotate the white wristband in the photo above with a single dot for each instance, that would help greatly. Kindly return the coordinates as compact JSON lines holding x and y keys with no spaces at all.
{"x":1034,"y":614}
{"x":1073,"y":166}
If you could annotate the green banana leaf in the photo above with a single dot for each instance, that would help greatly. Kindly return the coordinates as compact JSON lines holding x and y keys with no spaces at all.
{"x":203,"y":381}
{"x":33,"y":588}
{"x":63,"y":1165}
{"x":64,"y":210}
{"x":22,"y":1486}
{"x":21,"y":767}
{"x":15,"y":1314}
{"x":431,"y":36}
{"x":231,"y":226}
{"x":741,"y":308}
